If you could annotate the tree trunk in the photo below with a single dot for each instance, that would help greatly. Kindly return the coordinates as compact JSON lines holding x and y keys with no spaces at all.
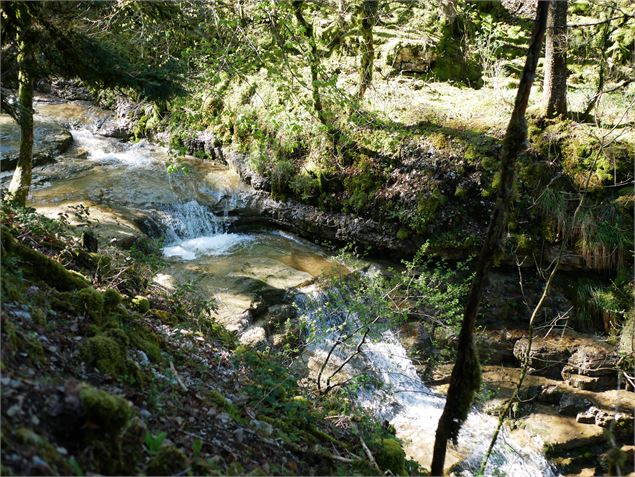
{"x":465,"y":378}
{"x":313,"y":62}
{"x":555,"y":84}
{"x":21,"y":181}
{"x":368,"y":15}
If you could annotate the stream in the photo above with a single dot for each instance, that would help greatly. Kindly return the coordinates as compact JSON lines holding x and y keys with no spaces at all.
{"x":128,"y":190}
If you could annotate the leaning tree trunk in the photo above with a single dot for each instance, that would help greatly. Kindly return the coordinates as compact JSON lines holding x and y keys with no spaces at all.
{"x":555,"y":84}
{"x":466,"y":375}
{"x":21,"y":181}
{"x":368,"y":13}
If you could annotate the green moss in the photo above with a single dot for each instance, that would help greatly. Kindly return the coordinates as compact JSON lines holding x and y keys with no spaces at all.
{"x":224,"y":403}
{"x":141,"y":304}
{"x":119,"y":335}
{"x":29,"y":437}
{"x":32,"y":347}
{"x":42,"y":267}
{"x":91,"y":302}
{"x":39,"y":316}
{"x":143,"y":339}
{"x":112,"y":298}
{"x":402,"y":233}
{"x":108,"y":412}
{"x":389,"y":455}
{"x":168,"y":461}
{"x":103,"y":353}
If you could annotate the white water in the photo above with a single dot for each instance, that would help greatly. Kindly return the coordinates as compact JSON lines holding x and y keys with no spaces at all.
{"x":402,"y":399}
{"x":222,"y":244}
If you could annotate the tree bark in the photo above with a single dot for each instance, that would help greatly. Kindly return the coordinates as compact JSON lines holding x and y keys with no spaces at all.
{"x":555,"y":83}
{"x":21,"y":181}
{"x":313,"y":62}
{"x":465,"y":378}
{"x":368,"y":13}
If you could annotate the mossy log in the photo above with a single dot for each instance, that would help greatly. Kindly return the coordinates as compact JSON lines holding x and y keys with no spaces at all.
{"x":42,"y":267}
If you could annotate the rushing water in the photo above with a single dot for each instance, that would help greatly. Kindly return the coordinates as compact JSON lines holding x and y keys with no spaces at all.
{"x":122,"y":181}
{"x":402,"y":399}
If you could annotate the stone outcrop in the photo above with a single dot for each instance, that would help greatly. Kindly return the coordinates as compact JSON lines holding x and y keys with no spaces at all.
{"x":51,"y":139}
{"x":546,"y":358}
{"x":580,"y":361}
{"x":409,"y":55}
{"x":591,"y":367}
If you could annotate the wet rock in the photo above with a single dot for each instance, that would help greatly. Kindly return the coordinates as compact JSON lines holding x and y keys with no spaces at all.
{"x":547,"y":357}
{"x":416,"y":339}
{"x":550,"y":395}
{"x":496,"y":346}
{"x":571,"y":404}
{"x":558,"y":433}
{"x":587,"y":417}
{"x":50,"y":140}
{"x":622,"y":422}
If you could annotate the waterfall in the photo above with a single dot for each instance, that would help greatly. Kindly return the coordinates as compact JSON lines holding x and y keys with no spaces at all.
{"x":398,"y":395}
{"x":192,"y":230}
{"x":190,"y":220}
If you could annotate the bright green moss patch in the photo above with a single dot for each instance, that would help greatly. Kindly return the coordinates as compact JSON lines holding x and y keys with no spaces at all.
{"x":389,"y":455}
{"x":141,"y":304}
{"x":107,"y":411}
{"x":103,"y":353}
{"x":112,"y":298}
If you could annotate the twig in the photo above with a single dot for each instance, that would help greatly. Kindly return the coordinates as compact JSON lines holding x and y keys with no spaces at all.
{"x":177,"y":377}
{"x":369,"y":454}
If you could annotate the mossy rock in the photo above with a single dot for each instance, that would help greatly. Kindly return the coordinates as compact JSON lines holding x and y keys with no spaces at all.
{"x":225,"y":404}
{"x":141,"y":304}
{"x":145,"y":340}
{"x":108,"y":412}
{"x":105,"y":354}
{"x":168,"y":461}
{"x":90,"y":301}
{"x":389,"y":455}
{"x":112,"y":298}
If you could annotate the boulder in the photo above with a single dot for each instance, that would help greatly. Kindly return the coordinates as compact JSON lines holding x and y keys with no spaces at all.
{"x":410,"y":55}
{"x":571,"y":404}
{"x":254,"y":336}
{"x":591,"y":367}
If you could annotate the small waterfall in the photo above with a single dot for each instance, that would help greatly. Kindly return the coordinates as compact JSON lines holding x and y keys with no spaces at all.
{"x":192,"y":230}
{"x":401,"y":398}
{"x":190,"y":220}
